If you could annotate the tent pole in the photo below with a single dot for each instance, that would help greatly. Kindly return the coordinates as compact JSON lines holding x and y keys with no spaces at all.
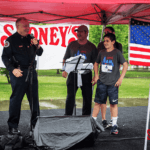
{"x":114,"y":12}
{"x":147,"y":121}
{"x":102,"y":33}
{"x":129,"y":41}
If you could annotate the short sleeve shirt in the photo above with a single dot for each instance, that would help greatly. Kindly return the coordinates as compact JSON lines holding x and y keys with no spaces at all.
{"x":89,"y":50}
{"x":110,"y":63}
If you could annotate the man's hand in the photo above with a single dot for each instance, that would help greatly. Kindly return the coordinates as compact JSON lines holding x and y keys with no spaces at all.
{"x":118,"y":83}
{"x":94,"y":80}
{"x":64,"y":74}
{"x":125,"y":67}
{"x":34,"y":41}
{"x":17,"y":73}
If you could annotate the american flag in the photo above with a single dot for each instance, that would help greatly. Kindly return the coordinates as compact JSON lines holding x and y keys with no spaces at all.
{"x":139,"y":46}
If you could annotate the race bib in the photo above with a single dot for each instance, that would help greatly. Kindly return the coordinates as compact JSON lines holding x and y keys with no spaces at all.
{"x":106,"y":68}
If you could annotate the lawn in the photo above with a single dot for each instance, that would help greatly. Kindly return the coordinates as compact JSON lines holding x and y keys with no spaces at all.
{"x":129,"y":74}
{"x":53,"y":86}
{"x":137,"y":74}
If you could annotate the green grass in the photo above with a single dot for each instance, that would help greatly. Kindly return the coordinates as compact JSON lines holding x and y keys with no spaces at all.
{"x":137,"y":74}
{"x":134,"y":88}
{"x":54,"y":87}
{"x":52,"y":72}
{"x":129,"y":74}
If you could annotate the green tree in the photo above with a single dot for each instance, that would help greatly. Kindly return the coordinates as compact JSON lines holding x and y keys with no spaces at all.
{"x":95,"y":34}
{"x":121,"y":32}
{"x":5,"y":72}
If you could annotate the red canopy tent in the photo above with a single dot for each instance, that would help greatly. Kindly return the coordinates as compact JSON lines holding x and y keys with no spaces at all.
{"x":93,"y":12}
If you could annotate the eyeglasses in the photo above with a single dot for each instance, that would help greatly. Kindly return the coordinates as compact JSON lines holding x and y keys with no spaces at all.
{"x":24,"y":26}
{"x":80,"y":31}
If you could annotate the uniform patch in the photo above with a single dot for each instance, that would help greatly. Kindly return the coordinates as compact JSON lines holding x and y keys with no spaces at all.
{"x":7,"y":44}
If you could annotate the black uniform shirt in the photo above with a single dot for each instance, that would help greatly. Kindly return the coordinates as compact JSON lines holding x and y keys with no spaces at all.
{"x":21,"y":49}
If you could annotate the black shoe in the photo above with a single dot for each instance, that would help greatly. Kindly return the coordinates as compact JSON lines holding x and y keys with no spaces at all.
{"x":114,"y":129}
{"x":14,"y":131}
{"x":105,"y":124}
{"x":109,"y":125}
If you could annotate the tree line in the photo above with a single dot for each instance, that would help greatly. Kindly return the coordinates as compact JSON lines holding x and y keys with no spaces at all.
{"x":121,"y":32}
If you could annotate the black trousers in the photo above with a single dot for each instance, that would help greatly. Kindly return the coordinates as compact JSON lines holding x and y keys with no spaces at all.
{"x":19,"y":89}
{"x":86,"y":93}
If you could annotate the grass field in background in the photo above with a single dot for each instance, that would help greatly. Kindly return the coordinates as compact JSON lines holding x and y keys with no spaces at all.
{"x":52,"y":72}
{"x":129,"y":74}
{"x":53,"y":86}
{"x":137,"y":74}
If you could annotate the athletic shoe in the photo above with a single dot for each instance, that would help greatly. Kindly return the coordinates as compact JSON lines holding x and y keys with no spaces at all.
{"x":14,"y":131}
{"x":114,"y":129}
{"x":104,"y":122}
{"x":109,"y":124}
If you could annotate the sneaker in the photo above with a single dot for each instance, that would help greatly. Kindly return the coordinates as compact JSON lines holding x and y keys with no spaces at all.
{"x":114,"y":129}
{"x":14,"y":131}
{"x":109,"y":124}
{"x":105,"y":124}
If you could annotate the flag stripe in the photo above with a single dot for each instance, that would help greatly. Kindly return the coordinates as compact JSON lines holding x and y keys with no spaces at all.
{"x":141,"y":53}
{"x":139,"y":49}
{"x":139,"y":45}
{"x":139,"y":56}
{"x":139,"y":59}
{"x":139,"y":63}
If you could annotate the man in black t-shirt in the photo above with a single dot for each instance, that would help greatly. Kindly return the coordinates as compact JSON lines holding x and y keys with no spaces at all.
{"x":84,"y":47}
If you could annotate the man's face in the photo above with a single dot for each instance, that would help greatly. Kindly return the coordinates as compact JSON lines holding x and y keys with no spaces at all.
{"x":108,"y":43}
{"x":82,"y":35}
{"x":107,"y":30}
{"x":23,"y":27}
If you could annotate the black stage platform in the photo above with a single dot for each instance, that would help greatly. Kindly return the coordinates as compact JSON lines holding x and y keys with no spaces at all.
{"x":131,"y":121}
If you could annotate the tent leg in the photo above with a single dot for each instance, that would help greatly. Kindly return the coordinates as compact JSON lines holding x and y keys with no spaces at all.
{"x":147,"y":121}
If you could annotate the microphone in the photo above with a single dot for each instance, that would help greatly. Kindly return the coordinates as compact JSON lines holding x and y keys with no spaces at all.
{"x":32,"y":36}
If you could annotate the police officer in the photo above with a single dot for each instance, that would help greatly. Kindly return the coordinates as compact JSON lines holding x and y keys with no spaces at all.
{"x":18,"y":53}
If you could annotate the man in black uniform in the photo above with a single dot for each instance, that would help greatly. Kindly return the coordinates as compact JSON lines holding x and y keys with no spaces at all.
{"x":86,"y":48}
{"x":18,"y":53}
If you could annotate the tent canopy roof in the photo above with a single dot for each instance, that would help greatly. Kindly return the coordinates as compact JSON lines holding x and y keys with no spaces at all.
{"x":86,"y":1}
{"x":94,"y":12}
